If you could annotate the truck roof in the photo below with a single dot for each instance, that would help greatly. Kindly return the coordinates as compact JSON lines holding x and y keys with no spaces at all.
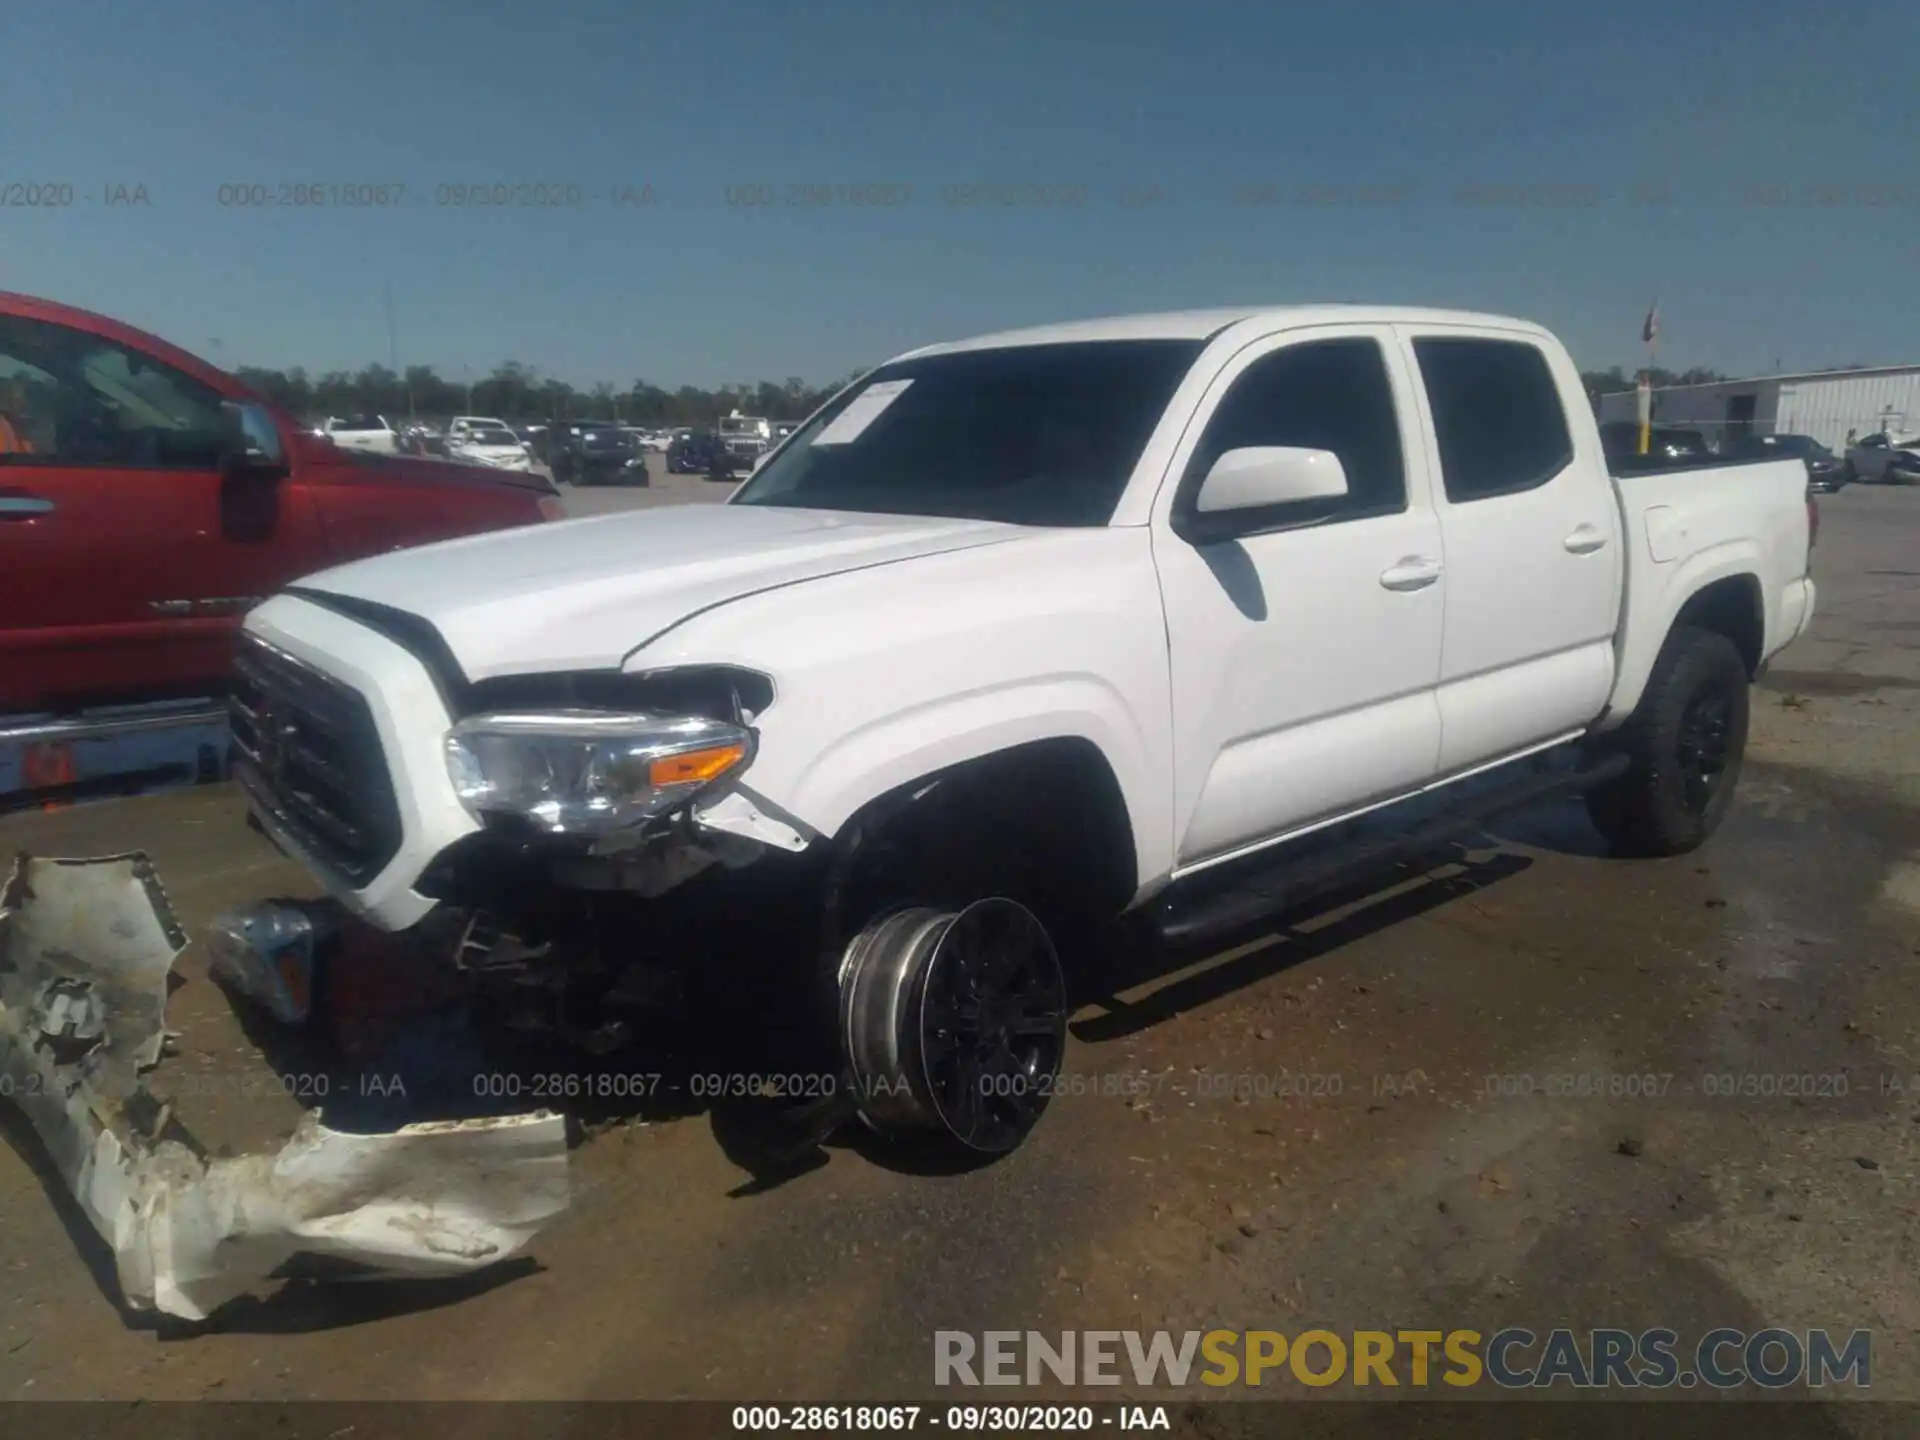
{"x":1204,"y":324}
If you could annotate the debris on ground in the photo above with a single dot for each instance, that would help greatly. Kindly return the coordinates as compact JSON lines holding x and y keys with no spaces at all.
{"x":87,"y":948}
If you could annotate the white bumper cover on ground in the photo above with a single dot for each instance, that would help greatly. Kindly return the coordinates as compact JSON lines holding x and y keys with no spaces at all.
{"x":86,"y":951}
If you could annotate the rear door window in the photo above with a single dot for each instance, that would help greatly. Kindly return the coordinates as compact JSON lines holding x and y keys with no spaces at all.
{"x":1497,"y":415}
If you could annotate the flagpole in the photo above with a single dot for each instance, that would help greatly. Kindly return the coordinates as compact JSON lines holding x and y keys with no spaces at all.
{"x":1649,"y":332}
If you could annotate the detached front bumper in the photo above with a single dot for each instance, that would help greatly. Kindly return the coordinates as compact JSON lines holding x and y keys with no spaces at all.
{"x":86,"y":951}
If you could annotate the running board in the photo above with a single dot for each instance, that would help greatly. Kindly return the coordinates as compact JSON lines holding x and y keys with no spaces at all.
{"x":1290,"y":883}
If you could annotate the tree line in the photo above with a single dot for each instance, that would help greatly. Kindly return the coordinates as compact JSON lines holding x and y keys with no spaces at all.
{"x":520,"y":394}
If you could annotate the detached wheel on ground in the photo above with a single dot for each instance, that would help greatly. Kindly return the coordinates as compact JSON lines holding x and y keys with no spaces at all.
{"x":1685,"y":743}
{"x":954,"y":1023}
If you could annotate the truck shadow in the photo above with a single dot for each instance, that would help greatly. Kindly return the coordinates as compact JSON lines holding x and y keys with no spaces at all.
{"x":1261,"y":951}
{"x":1179,"y":980}
{"x":450,"y":1064}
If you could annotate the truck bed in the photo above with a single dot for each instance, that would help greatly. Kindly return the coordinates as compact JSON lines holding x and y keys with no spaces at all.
{"x":1688,"y":526}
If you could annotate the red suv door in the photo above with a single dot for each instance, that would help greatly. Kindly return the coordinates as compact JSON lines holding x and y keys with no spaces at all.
{"x":126,"y":554}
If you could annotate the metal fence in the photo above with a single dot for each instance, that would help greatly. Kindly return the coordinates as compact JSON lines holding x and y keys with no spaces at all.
{"x":1720,"y":434}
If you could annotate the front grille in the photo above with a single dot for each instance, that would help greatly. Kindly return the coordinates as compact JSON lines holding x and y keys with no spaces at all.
{"x":309,"y":756}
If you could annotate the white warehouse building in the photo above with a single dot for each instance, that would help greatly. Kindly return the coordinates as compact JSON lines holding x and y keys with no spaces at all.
{"x":1823,"y":404}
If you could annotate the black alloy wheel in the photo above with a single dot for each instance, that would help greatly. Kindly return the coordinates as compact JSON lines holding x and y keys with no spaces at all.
{"x":1702,"y":745}
{"x":954,"y":1024}
{"x":1684,"y":741}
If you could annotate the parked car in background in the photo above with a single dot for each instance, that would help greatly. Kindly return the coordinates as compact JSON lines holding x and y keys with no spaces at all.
{"x":656,"y":441}
{"x":460,"y":425}
{"x":159,"y":498}
{"x":595,"y":452}
{"x":747,"y":436}
{"x":422,"y":439}
{"x":493,"y":445}
{"x":363,"y":432}
{"x":1176,"y":621}
{"x":1885,"y":459}
{"x":1826,"y":471}
{"x":702,"y":452}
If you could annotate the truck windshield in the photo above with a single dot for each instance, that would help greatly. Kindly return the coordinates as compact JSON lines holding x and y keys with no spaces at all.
{"x":1027,"y":435}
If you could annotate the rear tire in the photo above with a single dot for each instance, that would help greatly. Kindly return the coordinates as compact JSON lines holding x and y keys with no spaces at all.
{"x":1685,"y":743}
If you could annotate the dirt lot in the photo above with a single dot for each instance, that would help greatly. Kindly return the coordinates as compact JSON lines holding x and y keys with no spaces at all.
{"x":1418,"y":1185}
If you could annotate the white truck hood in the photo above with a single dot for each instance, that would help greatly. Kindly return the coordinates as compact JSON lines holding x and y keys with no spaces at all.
{"x":583,"y":594}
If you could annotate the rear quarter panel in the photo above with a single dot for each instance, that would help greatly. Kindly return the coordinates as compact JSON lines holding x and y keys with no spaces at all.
{"x":1687,"y":529}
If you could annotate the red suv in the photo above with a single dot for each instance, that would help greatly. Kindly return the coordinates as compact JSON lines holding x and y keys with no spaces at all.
{"x":148,"y":499}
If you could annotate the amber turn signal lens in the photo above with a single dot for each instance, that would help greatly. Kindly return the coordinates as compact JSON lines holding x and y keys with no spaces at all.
{"x":694,"y":766}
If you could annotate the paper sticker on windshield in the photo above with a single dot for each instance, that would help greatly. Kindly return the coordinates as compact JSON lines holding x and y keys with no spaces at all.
{"x":867,"y":407}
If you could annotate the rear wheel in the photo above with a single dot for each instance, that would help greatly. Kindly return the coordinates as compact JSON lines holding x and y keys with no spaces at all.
{"x":1685,"y":743}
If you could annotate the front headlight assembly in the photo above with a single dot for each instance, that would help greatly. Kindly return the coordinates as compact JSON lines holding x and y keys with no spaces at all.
{"x":591,"y":772}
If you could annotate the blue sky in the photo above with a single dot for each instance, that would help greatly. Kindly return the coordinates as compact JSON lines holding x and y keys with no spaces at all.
{"x":1159,"y":156}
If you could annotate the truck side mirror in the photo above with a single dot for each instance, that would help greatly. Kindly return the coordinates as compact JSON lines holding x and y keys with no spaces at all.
{"x":1244,"y":488}
{"x":254,"y":450}
{"x":1261,"y":475}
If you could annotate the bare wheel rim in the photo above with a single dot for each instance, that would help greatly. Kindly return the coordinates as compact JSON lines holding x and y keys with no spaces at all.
{"x":992,"y":1024}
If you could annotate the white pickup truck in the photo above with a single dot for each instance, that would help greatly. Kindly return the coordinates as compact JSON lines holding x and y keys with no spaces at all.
{"x":1164,"y":620}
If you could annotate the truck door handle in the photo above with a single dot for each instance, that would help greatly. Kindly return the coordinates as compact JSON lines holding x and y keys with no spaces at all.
{"x":19,"y":505}
{"x":1412,"y":572}
{"x":1585,"y":540}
